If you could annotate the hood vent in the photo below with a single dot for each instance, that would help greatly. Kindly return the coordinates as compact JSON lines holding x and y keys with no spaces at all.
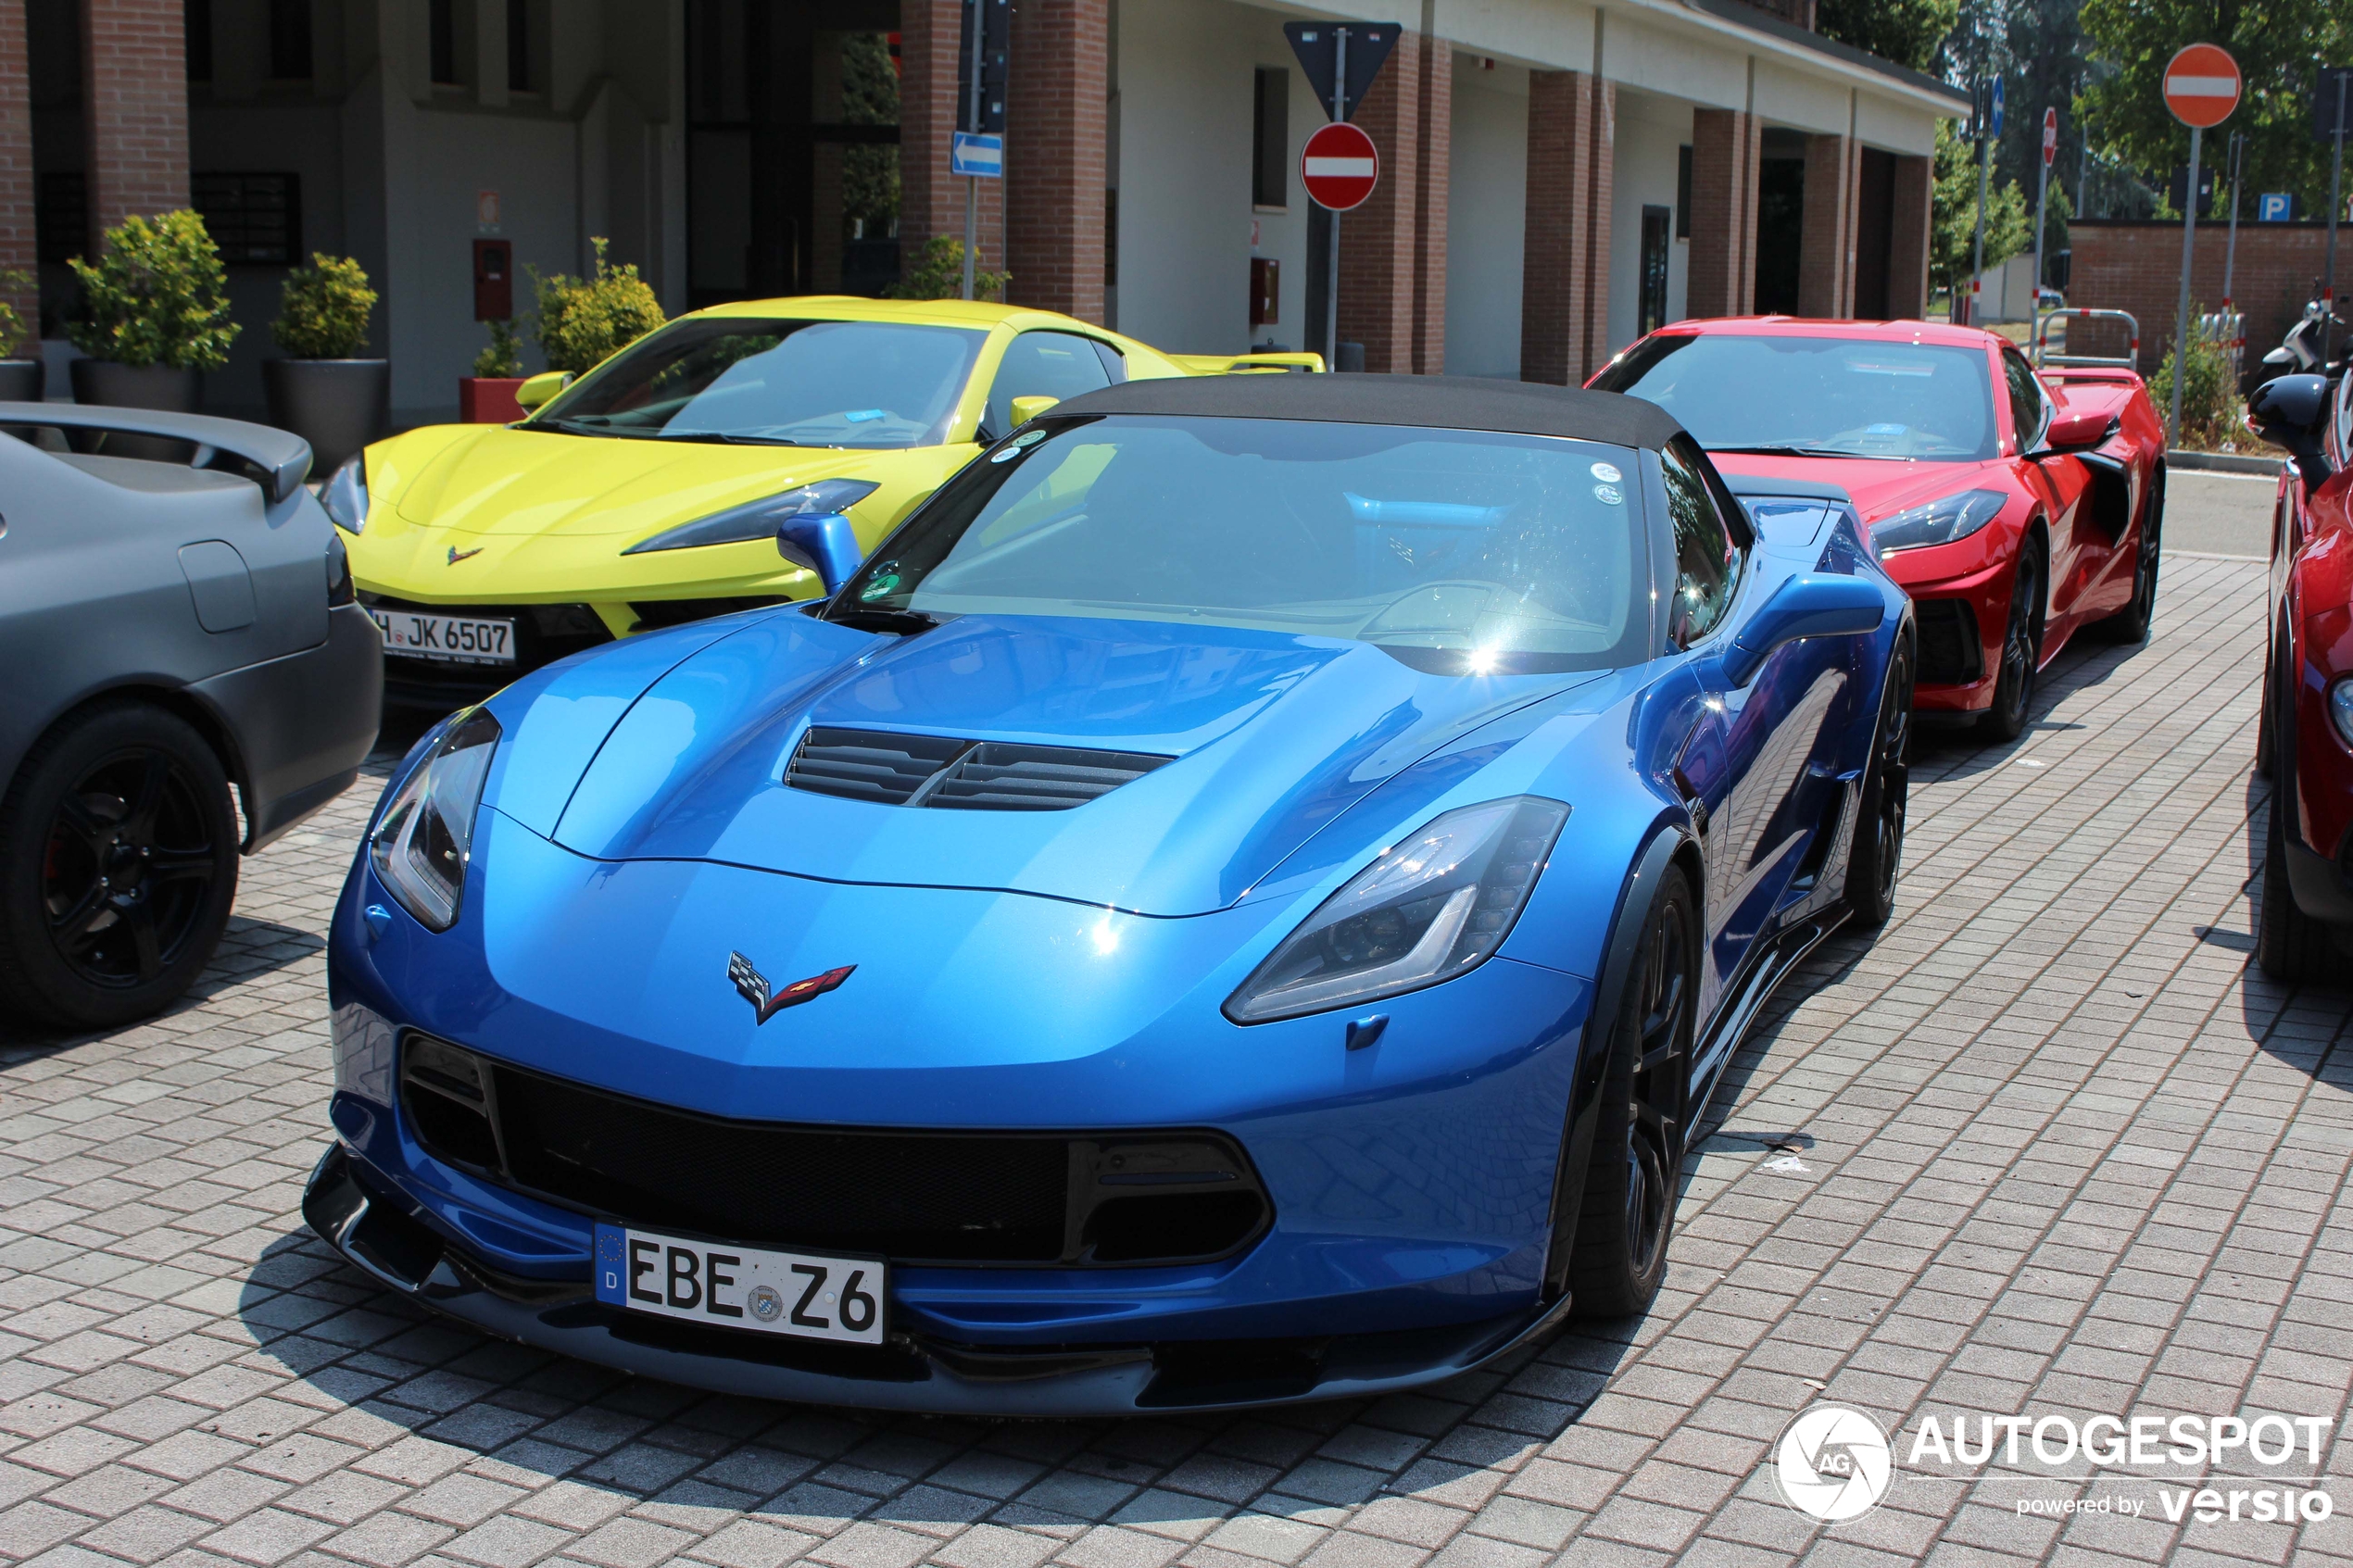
{"x":895,"y":770}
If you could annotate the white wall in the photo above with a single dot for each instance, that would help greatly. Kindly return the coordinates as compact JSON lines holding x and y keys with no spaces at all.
{"x":1651,"y":132}
{"x":1486,"y":220}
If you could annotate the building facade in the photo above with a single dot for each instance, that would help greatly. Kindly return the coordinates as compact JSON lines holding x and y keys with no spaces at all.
{"x":1557,"y":176}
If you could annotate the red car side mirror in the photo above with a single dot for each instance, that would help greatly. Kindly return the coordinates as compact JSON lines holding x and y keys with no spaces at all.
{"x":2083,"y":428}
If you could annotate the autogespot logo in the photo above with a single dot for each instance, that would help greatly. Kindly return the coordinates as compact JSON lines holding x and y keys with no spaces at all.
{"x":1833,"y":1464}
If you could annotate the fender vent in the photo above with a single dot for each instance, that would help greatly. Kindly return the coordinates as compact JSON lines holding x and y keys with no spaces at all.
{"x":959,"y":774}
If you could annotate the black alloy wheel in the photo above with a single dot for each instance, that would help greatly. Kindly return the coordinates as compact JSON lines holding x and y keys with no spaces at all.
{"x":1631,"y":1187}
{"x":121,"y":840}
{"x":2289,"y":944}
{"x":2132,"y":623}
{"x":1878,"y":855}
{"x":2021,"y":650}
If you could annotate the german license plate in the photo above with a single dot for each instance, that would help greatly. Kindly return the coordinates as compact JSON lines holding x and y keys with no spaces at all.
{"x":462,"y":639}
{"x":806,"y":1295}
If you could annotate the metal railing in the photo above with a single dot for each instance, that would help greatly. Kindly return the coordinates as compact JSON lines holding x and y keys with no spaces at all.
{"x":2226,"y":329}
{"x":2131,"y":359}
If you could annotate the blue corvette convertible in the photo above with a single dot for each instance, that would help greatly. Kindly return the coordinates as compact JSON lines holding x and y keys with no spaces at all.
{"x":1241,"y":897}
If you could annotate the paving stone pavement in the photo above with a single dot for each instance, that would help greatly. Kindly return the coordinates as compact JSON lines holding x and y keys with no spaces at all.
{"x":2046,"y":1146}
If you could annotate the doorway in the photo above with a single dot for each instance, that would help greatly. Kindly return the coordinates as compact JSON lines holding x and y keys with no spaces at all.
{"x":1780,"y":220}
{"x":1657,"y":245}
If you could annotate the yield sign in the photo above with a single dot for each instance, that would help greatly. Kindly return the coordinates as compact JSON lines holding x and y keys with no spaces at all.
{"x":1339,"y":166}
{"x":2202,"y":85}
{"x":2050,"y":136}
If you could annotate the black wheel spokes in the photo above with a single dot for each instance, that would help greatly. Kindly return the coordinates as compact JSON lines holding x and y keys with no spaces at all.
{"x":129,"y":864}
{"x":1653,"y":1124}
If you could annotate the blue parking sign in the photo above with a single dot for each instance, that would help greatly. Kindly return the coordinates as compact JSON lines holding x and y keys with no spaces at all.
{"x":2274,"y":207}
{"x":983,"y":156}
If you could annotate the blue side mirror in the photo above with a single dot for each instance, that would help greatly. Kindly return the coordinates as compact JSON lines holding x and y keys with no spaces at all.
{"x":823,"y":543}
{"x":1809,"y":605}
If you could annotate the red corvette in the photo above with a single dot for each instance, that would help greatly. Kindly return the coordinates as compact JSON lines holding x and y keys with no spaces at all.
{"x":2016,"y":508}
{"x":2306,"y":737}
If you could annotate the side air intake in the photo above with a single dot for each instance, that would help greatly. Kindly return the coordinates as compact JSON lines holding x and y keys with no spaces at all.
{"x":927,"y":771}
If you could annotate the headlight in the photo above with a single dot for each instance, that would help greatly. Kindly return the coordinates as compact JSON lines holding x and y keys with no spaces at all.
{"x":1939,"y":522}
{"x":346,"y":494}
{"x":421,"y":845}
{"x":1432,"y":907}
{"x":757,"y":520}
{"x":2341,"y":709}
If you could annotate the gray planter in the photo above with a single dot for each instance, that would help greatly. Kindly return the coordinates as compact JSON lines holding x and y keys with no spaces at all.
{"x":109,"y":385}
{"x":338,"y":406}
{"x":20,"y":381}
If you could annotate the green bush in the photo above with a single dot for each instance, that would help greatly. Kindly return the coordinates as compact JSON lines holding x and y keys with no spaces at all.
{"x":584,"y":321}
{"x":502,"y":360}
{"x":323,"y":309}
{"x":938,"y":273}
{"x":13,"y":333}
{"x":158,"y":296}
{"x":2209,"y":397}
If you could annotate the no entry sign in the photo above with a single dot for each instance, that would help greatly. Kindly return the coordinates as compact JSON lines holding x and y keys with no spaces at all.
{"x":2202,"y":85}
{"x":1339,"y":166}
{"x":2050,"y":136}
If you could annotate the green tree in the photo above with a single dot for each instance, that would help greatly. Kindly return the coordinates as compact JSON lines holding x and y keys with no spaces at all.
{"x":1906,"y":31}
{"x":868,"y":97}
{"x":2009,"y":217}
{"x":2278,"y":48}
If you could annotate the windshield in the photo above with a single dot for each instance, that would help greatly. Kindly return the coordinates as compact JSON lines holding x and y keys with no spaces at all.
{"x":775,"y":382}
{"x":1829,"y":396}
{"x":1458,"y":551}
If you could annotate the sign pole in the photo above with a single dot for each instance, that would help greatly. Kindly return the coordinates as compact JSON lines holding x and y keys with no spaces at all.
{"x":2181,"y":314}
{"x":1977,"y":256}
{"x":2337,"y":205}
{"x":1331,"y":275}
{"x":2231,"y":255}
{"x":2041,"y":205}
{"x":977,"y":31}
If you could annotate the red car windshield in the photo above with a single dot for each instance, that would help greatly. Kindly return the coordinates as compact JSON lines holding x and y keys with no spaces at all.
{"x":1817,"y":397}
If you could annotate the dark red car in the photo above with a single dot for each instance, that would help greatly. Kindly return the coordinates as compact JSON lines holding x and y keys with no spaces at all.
{"x":2016,"y":508}
{"x":2305,"y":741}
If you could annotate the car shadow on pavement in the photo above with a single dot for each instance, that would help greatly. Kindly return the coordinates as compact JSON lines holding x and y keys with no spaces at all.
{"x":2298,"y":1022}
{"x":249,"y":949}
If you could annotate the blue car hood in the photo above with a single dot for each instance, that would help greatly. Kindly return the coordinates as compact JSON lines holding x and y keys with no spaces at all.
{"x":1272,"y":737}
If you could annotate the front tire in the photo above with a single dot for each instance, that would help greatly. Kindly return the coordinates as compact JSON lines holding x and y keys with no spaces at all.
{"x":2289,"y":945}
{"x":1619,"y":1254}
{"x":1872,"y":864}
{"x":2021,"y":650}
{"x":118,"y":867}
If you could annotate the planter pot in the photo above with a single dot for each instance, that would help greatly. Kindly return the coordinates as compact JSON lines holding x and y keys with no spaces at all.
{"x":109,"y":385}
{"x":338,"y":406}
{"x":489,"y":400}
{"x":21,"y":380}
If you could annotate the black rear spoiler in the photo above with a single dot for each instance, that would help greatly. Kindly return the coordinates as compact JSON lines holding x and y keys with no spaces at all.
{"x":284,"y":459}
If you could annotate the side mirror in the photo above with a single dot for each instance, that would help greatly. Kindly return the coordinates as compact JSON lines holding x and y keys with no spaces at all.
{"x":1029,"y":408}
{"x":1809,"y":605}
{"x":2077,"y":431}
{"x":538,"y":389}
{"x":2289,"y":413}
{"x":823,"y":543}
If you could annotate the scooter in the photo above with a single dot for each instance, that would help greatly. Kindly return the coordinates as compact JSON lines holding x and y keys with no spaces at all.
{"x":2299,"y":352}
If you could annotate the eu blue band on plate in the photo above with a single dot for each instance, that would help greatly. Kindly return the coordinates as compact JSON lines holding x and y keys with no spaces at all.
{"x":612,"y":1264}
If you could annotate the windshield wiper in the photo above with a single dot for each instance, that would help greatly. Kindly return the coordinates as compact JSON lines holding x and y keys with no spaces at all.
{"x":1803,"y":449}
{"x":722,"y":438}
{"x":897,"y":623}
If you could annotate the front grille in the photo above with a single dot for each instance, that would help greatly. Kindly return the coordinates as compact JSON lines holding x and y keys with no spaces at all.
{"x":950,"y":1198}
{"x":1952,"y":654}
{"x":932,"y":771}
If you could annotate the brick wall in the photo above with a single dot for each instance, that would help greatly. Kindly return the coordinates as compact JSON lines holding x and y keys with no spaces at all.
{"x":1722,"y":277}
{"x":1057,"y":124}
{"x":1907,"y":239}
{"x":1378,"y":241}
{"x":17,"y":250}
{"x":1564,"y":311}
{"x":931,"y":200}
{"x":2136,"y":266}
{"x":134,"y":105}
{"x":1826,"y":250}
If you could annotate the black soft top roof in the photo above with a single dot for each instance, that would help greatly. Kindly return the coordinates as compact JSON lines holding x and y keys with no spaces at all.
{"x":1446,"y":402}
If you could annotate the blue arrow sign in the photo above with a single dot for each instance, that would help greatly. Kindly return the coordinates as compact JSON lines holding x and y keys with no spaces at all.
{"x":983,"y":156}
{"x":1997,"y":105}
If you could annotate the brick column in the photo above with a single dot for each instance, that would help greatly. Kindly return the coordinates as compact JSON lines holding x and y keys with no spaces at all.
{"x":1057,"y":127}
{"x":1572,"y":155}
{"x":135,"y":109}
{"x":1380,"y":250}
{"x":17,"y":248}
{"x":1826,"y":253}
{"x":1434,"y":155}
{"x":1907,"y":242}
{"x":1724,"y":144}
{"x":931,"y":200}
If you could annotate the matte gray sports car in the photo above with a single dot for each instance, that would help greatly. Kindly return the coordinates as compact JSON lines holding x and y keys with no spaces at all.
{"x":166,"y":629}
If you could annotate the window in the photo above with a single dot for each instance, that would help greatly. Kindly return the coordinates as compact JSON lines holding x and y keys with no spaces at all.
{"x":1653,"y":314}
{"x":440,"y":30}
{"x":1683,"y":192}
{"x":1708,"y":563}
{"x":290,"y":40}
{"x":1055,"y":365}
{"x":196,"y":20}
{"x":252,"y":217}
{"x":518,"y":45}
{"x":2027,"y":403}
{"x":1270,"y":141}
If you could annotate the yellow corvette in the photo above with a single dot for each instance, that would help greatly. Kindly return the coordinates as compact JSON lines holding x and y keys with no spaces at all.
{"x":695,"y":473}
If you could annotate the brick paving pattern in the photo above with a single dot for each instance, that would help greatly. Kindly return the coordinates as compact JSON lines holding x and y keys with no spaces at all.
{"x":2048,"y":1146}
